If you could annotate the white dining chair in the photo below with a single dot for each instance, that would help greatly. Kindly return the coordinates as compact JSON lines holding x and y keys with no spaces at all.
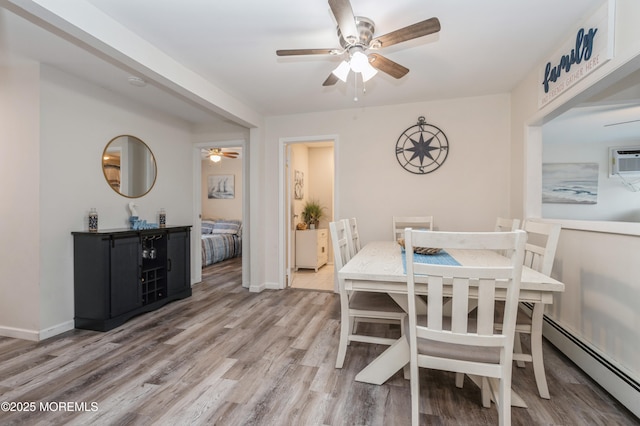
{"x":460,"y":342}
{"x":542,"y":242}
{"x":414,"y":222}
{"x":359,"y":306}
{"x":503,"y":224}
{"x":353,"y":236}
{"x":539,"y":253}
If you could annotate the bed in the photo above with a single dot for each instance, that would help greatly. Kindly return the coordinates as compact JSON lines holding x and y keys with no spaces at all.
{"x":221,"y":240}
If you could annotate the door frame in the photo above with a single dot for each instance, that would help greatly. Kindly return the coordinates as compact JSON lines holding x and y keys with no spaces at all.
{"x":196,"y":246}
{"x":284,"y":217}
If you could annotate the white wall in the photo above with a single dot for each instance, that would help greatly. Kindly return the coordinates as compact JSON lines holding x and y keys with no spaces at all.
{"x":467,"y":192}
{"x":19,"y":200}
{"x":600,"y":300}
{"x":596,"y":263}
{"x":76,"y":121}
{"x":321,"y":171}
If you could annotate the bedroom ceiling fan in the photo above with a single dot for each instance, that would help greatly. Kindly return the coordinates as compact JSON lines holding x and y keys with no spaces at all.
{"x":216,"y":154}
{"x":356,"y":38}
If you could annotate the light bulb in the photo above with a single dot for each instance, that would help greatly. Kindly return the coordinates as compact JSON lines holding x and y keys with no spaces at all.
{"x":215,"y":158}
{"x":359,"y":61}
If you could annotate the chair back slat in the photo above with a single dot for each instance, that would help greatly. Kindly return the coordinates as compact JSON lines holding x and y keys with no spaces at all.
{"x":339,"y":241}
{"x":353,"y":236}
{"x":460,"y":302}
{"x":486,"y":307}
{"x":435,"y":305}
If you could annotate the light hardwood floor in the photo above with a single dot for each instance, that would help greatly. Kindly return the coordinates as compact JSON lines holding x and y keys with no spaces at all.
{"x":312,"y":280}
{"x":226,"y":356}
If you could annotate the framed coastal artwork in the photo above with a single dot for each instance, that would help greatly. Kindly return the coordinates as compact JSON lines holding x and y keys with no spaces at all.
{"x":570,"y":183}
{"x":221,"y":187}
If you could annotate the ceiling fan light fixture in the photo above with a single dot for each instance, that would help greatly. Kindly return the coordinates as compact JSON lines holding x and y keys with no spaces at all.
{"x":342,"y":71}
{"x":215,"y":158}
{"x":359,"y":61}
{"x":357,"y":36}
{"x":368,"y":72}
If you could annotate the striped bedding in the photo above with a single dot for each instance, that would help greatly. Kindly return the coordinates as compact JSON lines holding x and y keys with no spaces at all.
{"x":219,"y":247}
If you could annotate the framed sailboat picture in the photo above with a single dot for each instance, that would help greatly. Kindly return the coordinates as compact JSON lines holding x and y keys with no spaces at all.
{"x":221,"y":187}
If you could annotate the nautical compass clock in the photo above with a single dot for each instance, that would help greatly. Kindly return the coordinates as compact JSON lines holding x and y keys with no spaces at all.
{"x":422,"y":148}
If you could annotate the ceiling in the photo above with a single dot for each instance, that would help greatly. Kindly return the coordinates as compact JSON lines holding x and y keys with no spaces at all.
{"x":484,"y":47}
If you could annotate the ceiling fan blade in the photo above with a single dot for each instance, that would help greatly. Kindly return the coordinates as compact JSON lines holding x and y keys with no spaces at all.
{"x":345,"y":18}
{"x":296,"y":52}
{"x":621,"y":122}
{"x":416,"y":30}
{"x":383,"y":64}
{"x":331,"y":80}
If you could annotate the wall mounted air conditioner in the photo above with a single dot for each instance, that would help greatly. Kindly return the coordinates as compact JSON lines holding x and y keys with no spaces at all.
{"x":624,"y":161}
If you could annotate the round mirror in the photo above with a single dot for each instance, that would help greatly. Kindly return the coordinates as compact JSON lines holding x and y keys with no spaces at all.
{"x":129,"y":166}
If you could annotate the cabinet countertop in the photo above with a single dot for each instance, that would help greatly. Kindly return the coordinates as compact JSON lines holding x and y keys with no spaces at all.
{"x":128,"y":231}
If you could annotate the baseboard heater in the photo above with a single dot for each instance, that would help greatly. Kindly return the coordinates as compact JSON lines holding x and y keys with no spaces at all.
{"x":618,"y":383}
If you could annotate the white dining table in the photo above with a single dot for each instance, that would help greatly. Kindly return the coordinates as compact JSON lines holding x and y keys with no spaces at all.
{"x":378,"y":267}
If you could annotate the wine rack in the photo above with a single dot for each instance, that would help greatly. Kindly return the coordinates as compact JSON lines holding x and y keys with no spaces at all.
{"x":154,"y":285}
{"x":121,"y":273}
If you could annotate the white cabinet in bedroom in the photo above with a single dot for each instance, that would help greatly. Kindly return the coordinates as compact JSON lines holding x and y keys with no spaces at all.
{"x":311,"y":248}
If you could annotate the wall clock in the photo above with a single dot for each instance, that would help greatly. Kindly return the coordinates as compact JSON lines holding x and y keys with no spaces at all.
{"x":422,"y":148}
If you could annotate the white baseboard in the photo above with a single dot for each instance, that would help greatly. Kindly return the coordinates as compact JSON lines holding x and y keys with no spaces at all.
{"x":35,"y":335}
{"x":264,"y":286}
{"x":257,"y":288}
{"x":272,"y":286}
{"x":600,"y":367}
{"x":20,"y":333}
{"x":57,"y":329}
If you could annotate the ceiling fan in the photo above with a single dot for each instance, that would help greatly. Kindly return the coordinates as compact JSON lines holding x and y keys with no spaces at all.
{"x":216,"y":154}
{"x":621,"y":122}
{"x":356,"y":38}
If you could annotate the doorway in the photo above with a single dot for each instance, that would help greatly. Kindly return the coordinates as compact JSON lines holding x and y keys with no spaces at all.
{"x":213,"y":204}
{"x":309,"y":175}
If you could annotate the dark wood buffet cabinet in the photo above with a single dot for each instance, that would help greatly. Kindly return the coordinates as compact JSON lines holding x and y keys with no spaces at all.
{"x":121,"y":273}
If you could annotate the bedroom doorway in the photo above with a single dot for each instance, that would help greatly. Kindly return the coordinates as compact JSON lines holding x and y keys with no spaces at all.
{"x":309,"y":175}
{"x":220,"y":199}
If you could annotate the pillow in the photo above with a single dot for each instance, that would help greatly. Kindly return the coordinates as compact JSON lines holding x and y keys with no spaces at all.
{"x":226,"y":227}
{"x":207,"y":227}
